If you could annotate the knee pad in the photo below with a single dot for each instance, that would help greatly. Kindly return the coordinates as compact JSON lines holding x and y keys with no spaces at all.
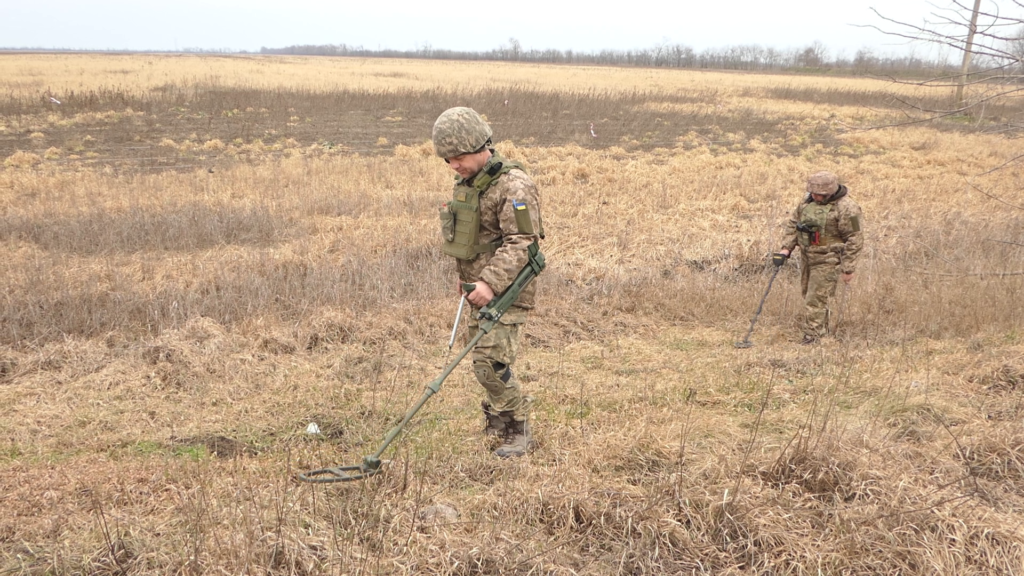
{"x":492,"y":377}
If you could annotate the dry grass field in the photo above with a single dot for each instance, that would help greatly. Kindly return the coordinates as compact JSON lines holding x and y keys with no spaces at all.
{"x":202,"y":255}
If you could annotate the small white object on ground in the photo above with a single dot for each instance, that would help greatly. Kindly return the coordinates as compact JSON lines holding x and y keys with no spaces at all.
{"x":312,"y":428}
{"x":438,"y":514}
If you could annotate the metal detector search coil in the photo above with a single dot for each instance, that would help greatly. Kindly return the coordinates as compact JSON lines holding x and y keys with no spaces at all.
{"x":370,"y":466}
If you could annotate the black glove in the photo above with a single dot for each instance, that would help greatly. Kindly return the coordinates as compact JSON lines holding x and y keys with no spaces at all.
{"x":779,"y":259}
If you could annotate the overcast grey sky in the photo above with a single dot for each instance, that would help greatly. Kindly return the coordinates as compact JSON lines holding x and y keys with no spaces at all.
{"x":411,"y":24}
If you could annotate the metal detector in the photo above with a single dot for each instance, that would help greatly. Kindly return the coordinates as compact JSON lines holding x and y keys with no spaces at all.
{"x":488,"y":317}
{"x":746,"y":343}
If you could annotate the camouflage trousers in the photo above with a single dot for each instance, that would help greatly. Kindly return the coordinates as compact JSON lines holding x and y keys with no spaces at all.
{"x":818,"y":284}
{"x":493,"y":357}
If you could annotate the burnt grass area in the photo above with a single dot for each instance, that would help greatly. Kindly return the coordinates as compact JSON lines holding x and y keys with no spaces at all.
{"x":182,"y":126}
{"x":123,"y":126}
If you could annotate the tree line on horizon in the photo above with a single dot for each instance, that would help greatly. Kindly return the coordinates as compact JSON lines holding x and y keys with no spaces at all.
{"x":814,"y":57}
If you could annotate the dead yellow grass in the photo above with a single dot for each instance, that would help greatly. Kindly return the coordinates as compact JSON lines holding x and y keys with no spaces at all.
{"x":166,"y":338}
{"x":34,"y":73}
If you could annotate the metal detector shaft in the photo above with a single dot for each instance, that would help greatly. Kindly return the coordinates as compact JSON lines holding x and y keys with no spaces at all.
{"x":455,"y":327}
{"x":746,"y":343}
{"x":488,"y":318}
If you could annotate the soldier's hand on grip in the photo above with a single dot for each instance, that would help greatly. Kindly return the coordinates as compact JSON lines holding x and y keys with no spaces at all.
{"x":480,"y":295}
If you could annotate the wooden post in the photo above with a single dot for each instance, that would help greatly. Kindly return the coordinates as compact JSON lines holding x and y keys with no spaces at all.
{"x":965,"y":67}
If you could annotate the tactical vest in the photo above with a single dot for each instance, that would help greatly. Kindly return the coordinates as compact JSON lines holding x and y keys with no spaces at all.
{"x":813,"y":218}
{"x":460,"y":218}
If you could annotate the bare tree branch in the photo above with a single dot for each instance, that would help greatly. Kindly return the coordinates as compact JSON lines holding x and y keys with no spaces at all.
{"x":991,"y":57}
{"x":1003,"y":165}
{"x":992,"y":196}
{"x":1004,"y":242}
{"x":970,"y":274}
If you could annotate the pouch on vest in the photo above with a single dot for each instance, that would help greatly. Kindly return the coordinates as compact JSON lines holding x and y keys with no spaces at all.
{"x":460,"y":242}
{"x":813,"y":218}
{"x":447,"y":223}
{"x":809,"y":236}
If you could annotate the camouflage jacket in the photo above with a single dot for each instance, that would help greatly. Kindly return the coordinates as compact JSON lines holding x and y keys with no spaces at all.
{"x":842,"y":232}
{"x":497,"y":220}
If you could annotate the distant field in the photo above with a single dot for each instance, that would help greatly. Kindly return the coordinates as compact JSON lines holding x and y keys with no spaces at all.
{"x":202,"y":255}
{"x":32,"y":73}
{"x":143,"y":109}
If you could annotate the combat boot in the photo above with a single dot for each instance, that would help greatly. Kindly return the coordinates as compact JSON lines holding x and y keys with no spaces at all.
{"x":518,"y":440}
{"x":494,"y":423}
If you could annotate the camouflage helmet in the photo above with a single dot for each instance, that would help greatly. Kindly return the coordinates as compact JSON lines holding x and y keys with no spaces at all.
{"x":459,"y":131}
{"x":824,"y":183}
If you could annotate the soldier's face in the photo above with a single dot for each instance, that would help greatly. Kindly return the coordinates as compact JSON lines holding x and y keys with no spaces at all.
{"x":819,"y":197}
{"x":467,"y":165}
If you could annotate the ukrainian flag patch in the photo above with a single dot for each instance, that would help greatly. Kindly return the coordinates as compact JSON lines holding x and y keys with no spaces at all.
{"x":522,"y":213}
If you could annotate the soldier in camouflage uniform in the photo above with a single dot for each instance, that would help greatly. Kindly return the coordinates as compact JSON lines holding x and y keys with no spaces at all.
{"x":493,"y":217}
{"x":827,"y":226}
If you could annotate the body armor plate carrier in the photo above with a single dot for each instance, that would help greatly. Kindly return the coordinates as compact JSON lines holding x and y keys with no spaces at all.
{"x":813,"y":217}
{"x":460,"y":218}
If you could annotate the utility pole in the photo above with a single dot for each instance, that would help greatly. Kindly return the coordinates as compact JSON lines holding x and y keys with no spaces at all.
{"x":964,"y":68}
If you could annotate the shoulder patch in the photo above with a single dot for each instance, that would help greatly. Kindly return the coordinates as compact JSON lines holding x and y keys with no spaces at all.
{"x":522,"y":212}
{"x":855,"y":223}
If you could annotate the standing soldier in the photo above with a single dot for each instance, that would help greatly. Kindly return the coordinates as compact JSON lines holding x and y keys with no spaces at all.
{"x":491,"y":221}
{"x":827,"y":226}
